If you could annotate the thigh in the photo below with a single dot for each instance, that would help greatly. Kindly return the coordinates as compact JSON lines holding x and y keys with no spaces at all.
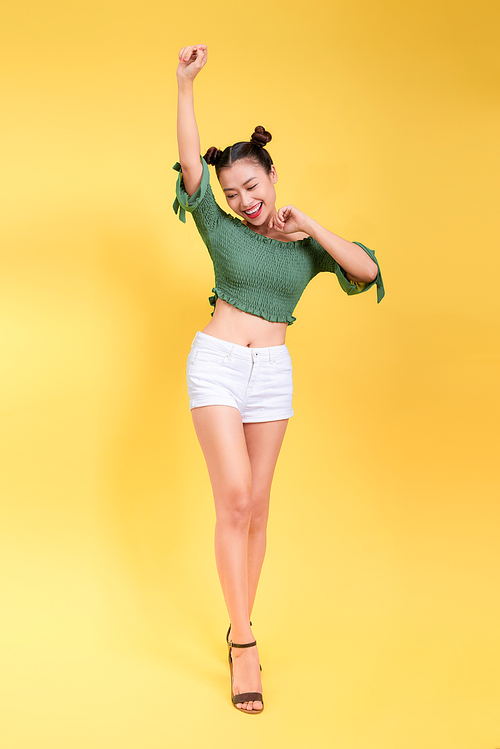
{"x":220,"y":433}
{"x":264,"y":440}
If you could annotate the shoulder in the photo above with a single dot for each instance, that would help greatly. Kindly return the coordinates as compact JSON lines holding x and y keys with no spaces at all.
{"x":201,"y":203}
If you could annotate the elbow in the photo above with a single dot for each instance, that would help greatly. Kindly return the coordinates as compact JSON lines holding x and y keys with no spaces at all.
{"x":372,"y":272}
{"x":367,"y":268}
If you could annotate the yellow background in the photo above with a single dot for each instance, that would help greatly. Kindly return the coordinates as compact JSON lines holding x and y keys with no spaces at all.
{"x":377,"y":615}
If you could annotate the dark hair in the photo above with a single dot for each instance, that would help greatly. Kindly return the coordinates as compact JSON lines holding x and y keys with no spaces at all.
{"x":252,"y":149}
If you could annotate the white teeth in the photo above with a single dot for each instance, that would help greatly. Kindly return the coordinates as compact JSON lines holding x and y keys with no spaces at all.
{"x":255,"y":210}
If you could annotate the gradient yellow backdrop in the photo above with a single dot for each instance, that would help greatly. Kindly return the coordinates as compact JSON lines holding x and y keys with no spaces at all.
{"x":377,"y":616}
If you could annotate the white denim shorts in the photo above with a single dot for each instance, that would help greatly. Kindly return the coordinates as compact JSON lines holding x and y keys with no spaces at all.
{"x":256,"y":381}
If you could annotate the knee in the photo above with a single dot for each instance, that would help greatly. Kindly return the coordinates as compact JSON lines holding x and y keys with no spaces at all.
{"x":260,"y":512}
{"x":235,"y":508}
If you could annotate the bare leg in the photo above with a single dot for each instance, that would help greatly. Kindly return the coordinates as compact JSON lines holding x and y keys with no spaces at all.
{"x":220,"y":432}
{"x":264,"y":440}
{"x":234,"y":451}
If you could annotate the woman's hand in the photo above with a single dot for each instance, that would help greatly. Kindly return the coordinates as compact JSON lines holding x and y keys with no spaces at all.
{"x":288,"y":220}
{"x":191,"y":61}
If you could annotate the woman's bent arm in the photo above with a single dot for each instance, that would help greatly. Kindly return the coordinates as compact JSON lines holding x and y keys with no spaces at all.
{"x":355,"y":262}
{"x":191,"y":61}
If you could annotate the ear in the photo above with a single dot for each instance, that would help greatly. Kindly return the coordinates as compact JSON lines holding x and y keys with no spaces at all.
{"x":273,"y":174}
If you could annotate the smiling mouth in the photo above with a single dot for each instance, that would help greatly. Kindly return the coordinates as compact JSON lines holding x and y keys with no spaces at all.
{"x":254,"y":212}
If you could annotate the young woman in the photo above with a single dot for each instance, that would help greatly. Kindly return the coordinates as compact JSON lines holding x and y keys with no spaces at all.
{"x":239,"y":370}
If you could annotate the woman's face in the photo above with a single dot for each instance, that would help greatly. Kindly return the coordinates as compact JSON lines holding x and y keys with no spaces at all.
{"x":250,"y":191}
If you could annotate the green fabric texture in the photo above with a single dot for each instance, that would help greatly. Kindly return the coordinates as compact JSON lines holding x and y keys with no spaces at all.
{"x":257,"y":274}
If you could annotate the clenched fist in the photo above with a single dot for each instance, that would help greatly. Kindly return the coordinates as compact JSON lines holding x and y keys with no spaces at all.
{"x":191,"y":61}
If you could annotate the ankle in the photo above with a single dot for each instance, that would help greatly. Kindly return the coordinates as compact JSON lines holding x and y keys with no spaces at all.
{"x":241,"y":635}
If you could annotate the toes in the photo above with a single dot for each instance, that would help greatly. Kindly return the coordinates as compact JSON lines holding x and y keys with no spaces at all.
{"x":249,"y":706}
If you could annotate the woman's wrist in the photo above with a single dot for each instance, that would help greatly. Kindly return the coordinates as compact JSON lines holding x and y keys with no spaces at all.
{"x":184,"y":83}
{"x":310,"y":226}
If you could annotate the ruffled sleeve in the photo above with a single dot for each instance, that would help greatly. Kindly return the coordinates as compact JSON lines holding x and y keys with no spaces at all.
{"x":358,"y":287}
{"x":202,"y":202}
{"x":327,"y":263}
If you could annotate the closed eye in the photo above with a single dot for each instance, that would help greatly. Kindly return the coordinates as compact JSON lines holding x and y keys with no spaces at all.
{"x":248,"y":188}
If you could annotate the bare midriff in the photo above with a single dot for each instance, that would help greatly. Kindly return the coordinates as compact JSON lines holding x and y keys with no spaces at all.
{"x":240,"y":327}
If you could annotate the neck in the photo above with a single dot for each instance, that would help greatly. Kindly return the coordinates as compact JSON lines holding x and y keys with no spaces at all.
{"x":263,"y":228}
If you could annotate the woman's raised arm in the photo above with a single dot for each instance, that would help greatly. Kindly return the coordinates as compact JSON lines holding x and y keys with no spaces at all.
{"x":191,"y":61}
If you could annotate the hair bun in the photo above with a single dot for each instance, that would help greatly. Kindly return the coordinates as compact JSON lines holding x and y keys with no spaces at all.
{"x":260,"y":136}
{"x":212,"y":156}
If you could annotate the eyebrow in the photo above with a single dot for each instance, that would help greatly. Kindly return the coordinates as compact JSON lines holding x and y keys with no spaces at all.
{"x":230,"y":189}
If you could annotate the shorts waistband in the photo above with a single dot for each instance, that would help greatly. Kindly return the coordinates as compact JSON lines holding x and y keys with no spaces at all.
{"x":235,"y":349}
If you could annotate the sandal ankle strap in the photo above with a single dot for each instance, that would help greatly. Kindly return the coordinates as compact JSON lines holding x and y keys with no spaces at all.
{"x":246,"y":645}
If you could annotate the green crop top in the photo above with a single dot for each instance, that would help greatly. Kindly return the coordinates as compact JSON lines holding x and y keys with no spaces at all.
{"x":257,"y":274}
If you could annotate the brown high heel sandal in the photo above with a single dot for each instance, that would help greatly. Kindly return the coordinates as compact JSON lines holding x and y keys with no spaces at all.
{"x":227,"y":640}
{"x":246,"y":696}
